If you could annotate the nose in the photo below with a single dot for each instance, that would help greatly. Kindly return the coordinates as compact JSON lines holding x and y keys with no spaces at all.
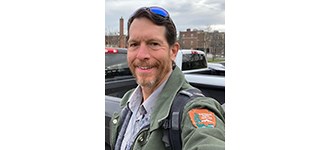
{"x":143,"y":52}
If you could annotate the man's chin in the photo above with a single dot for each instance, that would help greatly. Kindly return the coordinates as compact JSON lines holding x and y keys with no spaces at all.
{"x":146,"y":83}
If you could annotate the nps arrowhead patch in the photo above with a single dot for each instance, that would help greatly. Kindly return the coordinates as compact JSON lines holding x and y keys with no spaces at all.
{"x":202,"y":118}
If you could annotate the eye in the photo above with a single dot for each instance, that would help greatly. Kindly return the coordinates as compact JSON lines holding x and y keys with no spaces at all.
{"x":154,"y":45}
{"x":132,"y":44}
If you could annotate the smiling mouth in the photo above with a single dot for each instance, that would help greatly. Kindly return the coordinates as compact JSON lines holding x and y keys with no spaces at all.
{"x":144,"y":68}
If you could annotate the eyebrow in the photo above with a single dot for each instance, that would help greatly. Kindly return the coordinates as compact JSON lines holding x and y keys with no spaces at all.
{"x":147,"y":41}
{"x":155,"y":40}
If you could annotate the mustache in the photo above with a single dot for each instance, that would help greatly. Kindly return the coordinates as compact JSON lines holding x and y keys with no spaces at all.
{"x":145,"y":64}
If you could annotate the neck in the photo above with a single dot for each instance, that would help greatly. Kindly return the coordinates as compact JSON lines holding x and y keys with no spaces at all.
{"x":147,"y":91}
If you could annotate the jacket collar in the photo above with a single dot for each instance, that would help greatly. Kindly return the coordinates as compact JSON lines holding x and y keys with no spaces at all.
{"x":162,"y":107}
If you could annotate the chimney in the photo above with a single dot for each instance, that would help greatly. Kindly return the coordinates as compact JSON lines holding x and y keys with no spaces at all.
{"x":121,"y":33}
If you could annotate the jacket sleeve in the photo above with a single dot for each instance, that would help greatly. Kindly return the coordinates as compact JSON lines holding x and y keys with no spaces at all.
{"x":198,"y":135}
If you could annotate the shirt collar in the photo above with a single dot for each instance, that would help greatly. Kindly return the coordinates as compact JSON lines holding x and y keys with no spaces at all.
{"x":136,"y":98}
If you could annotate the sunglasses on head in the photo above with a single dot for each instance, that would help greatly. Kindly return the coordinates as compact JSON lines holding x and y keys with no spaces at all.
{"x":158,"y":11}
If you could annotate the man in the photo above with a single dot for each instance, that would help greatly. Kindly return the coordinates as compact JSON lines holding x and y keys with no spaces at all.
{"x":152,"y":48}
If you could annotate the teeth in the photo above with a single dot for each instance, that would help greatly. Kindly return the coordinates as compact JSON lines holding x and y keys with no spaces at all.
{"x":144,"y":68}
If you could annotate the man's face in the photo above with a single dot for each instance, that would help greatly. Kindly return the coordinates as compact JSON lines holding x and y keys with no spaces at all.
{"x":149,"y":55}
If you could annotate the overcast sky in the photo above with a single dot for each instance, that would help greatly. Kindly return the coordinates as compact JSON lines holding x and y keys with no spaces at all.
{"x":194,"y":14}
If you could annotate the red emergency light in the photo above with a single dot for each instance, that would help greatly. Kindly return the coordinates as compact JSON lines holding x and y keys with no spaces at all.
{"x":111,"y":50}
{"x":194,"y":52}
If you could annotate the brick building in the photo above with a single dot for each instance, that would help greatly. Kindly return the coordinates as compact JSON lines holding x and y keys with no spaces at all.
{"x":191,"y":39}
{"x":209,"y":42}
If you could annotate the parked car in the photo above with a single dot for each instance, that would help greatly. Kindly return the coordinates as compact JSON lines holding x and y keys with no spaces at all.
{"x":116,"y":62}
{"x":118,"y":77}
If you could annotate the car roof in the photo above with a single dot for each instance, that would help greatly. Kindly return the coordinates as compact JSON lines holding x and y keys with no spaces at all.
{"x":190,"y":51}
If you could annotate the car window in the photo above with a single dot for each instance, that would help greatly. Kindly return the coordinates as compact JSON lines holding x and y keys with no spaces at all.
{"x":116,"y":65}
{"x":193,"y":61}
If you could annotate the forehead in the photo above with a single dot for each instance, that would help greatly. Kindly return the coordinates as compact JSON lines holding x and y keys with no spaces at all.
{"x":143,"y":28}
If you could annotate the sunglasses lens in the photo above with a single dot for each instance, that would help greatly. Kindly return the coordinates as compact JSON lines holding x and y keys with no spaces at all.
{"x":159,"y":11}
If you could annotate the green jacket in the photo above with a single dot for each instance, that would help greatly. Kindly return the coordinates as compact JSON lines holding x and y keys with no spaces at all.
{"x":192,"y":137}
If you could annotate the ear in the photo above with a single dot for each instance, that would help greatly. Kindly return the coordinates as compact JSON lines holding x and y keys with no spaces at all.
{"x":174,"y":50}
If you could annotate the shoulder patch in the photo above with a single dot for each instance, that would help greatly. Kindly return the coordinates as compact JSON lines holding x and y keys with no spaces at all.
{"x":202,"y":118}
